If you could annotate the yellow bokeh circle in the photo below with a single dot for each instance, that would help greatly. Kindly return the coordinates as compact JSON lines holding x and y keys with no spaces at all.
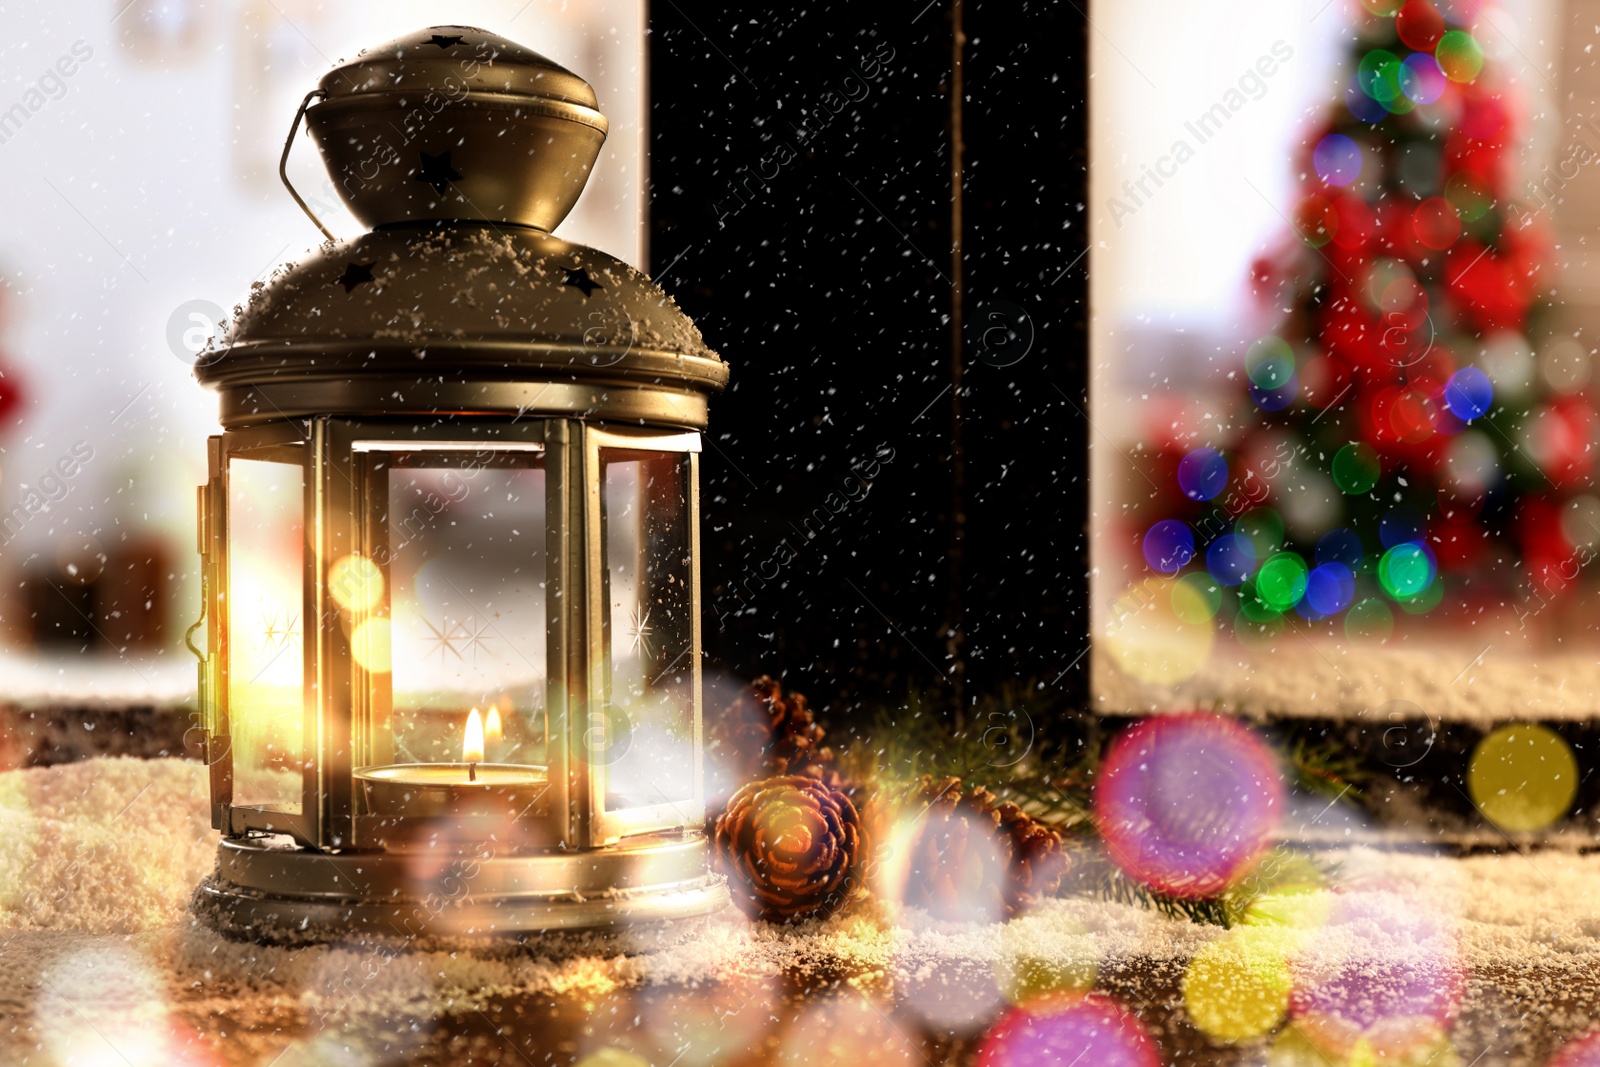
{"x":1523,"y":777}
{"x":1152,"y":635}
{"x":355,"y":583}
{"x":611,"y":1056}
{"x":1028,"y":979}
{"x":370,"y":646}
{"x":1237,"y":988}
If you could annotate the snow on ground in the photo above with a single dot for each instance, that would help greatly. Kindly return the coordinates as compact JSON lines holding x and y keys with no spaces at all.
{"x":1468,"y":681}
{"x":99,"y":858}
{"x":34,"y":681}
{"x":102,"y":846}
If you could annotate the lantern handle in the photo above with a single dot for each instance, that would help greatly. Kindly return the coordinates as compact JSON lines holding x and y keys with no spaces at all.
{"x":283,"y":163}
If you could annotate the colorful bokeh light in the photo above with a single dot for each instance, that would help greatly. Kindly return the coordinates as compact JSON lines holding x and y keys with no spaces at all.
{"x":1399,"y":525}
{"x":1371,"y":69}
{"x":1356,"y":468}
{"x":1469,"y":394}
{"x":1169,"y":546}
{"x":1202,"y":474}
{"x":1281,"y":582}
{"x":1315,"y":219}
{"x":1269,"y":362}
{"x":1406,"y":570}
{"x":1231,"y":559}
{"x":1237,"y":987}
{"x":1276,"y":399}
{"x":1459,"y":55}
{"x":1582,"y":1052}
{"x":1092,"y":1030}
{"x":1436,"y":223}
{"x":1330,"y":587}
{"x":1187,"y":803}
{"x":1369,"y":620}
{"x":1361,"y":104}
{"x":1469,"y":194}
{"x":355,"y":583}
{"x":1264,"y":528}
{"x":1253,"y":607}
{"x":1337,"y":159}
{"x":1420,"y":25}
{"x":1196,"y":598}
{"x":1421,"y":79}
{"x":1150,"y":636}
{"x":1384,"y":972}
{"x":1523,"y":777}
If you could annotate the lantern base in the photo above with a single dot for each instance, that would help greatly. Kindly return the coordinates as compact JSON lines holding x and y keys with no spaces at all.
{"x":635,"y":895}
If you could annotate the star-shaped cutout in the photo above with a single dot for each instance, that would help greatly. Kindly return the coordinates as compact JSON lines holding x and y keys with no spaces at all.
{"x":444,"y":42}
{"x":639,"y":629}
{"x":354,"y":274}
{"x":476,"y":635}
{"x":436,"y":171}
{"x":579,"y":278}
{"x":444,"y":638}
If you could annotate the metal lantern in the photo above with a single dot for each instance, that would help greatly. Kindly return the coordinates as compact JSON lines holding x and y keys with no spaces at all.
{"x":451,"y":666}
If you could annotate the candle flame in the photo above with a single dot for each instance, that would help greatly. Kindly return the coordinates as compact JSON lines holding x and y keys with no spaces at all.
{"x":491,"y":727}
{"x":472,"y":744}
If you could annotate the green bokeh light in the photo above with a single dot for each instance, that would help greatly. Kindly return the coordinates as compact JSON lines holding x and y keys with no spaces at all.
{"x":1270,"y":363}
{"x":1356,"y":468}
{"x":1368,"y":620}
{"x":1405,"y":570}
{"x":1424,"y":601}
{"x":1253,"y":607}
{"x":1263,"y":527}
{"x":1370,"y":72}
{"x":1281,"y":582}
{"x":1468,"y":195}
{"x":1459,"y":56}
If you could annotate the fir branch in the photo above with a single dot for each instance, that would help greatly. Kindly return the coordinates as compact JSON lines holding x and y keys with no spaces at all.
{"x":1021,"y":744}
{"x":1008,"y":751}
{"x":1280,"y":871}
{"x":1104,"y":880}
{"x":1324,"y":767}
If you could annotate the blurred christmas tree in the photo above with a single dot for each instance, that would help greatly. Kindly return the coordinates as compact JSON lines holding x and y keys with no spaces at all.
{"x":1403,"y":437}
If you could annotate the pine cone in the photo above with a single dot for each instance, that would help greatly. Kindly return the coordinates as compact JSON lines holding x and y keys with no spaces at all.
{"x":789,"y":846}
{"x":970,"y":848}
{"x":765,"y":733}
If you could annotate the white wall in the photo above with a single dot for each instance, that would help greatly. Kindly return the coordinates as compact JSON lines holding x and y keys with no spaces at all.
{"x":151,"y":181}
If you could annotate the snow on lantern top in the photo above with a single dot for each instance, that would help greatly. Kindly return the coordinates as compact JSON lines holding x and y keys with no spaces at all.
{"x":463,"y":150}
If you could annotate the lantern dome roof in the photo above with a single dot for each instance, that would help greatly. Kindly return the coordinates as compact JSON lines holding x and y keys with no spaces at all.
{"x":462,"y":150}
{"x":459,"y":318}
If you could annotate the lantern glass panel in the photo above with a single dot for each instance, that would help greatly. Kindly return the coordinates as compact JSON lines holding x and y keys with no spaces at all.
{"x":649,"y":627}
{"x":266,"y":676}
{"x":466,"y":602}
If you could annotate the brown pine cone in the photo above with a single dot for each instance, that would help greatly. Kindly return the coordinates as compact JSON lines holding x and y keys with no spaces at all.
{"x":789,"y":846}
{"x":796,"y":737}
{"x":767,"y":733}
{"x":969,"y":848}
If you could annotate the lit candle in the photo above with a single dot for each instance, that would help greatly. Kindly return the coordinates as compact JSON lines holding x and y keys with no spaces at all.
{"x":472,"y":745}
{"x":470,"y":789}
{"x":492,"y":731}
